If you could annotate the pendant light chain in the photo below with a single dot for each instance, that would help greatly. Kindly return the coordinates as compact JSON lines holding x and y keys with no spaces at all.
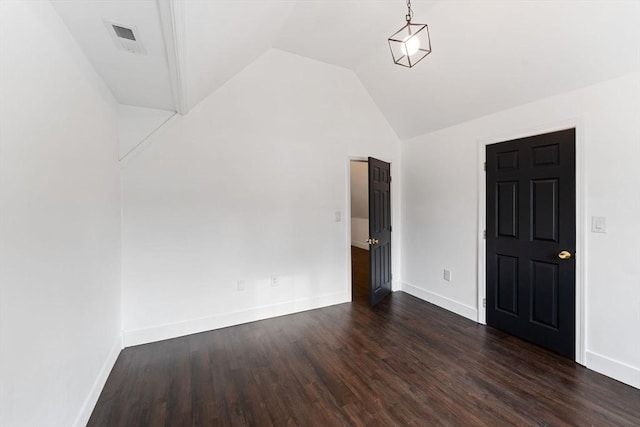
{"x":409,"y":11}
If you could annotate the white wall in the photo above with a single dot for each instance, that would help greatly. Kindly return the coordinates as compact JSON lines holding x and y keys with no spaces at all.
{"x":59,"y":223}
{"x":245,"y":187}
{"x":360,"y":233}
{"x":359,"y":186}
{"x":135,"y":124}
{"x":440,"y":212}
{"x":360,"y":189}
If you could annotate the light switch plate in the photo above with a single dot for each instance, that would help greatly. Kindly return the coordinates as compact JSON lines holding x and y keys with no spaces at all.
{"x":447,"y":275}
{"x":598,"y":224}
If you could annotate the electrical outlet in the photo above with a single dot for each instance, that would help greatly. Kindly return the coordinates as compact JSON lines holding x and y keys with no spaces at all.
{"x":447,"y":275}
{"x":274,"y":281}
{"x":241,"y":285}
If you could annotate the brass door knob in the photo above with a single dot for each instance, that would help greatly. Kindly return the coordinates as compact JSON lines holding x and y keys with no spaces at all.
{"x":372,"y":241}
{"x":564,"y":255}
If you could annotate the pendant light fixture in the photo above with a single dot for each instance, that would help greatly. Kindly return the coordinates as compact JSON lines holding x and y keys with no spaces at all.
{"x":411,"y":43}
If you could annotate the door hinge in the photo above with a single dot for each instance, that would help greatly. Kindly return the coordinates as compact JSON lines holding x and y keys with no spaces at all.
{"x":485,"y":166}
{"x":484,"y":234}
{"x":390,"y":229}
{"x":484,"y":302}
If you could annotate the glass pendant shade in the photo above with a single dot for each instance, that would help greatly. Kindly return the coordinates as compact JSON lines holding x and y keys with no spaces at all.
{"x":410,"y":45}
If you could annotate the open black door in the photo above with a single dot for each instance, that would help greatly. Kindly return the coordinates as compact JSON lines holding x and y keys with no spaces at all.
{"x":531,"y":239}
{"x":379,"y":229}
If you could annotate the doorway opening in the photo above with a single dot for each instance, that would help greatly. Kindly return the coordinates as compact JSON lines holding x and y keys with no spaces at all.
{"x":360,"y":260}
{"x":370,"y":198}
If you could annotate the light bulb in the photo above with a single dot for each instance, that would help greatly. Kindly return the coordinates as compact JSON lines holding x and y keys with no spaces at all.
{"x":410,"y":45}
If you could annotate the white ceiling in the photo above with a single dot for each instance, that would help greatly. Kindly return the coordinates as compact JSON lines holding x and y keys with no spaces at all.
{"x":223,"y":37}
{"x":488,"y":55}
{"x":343,"y":32}
{"x":134,"y":80}
{"x":492,"y":55}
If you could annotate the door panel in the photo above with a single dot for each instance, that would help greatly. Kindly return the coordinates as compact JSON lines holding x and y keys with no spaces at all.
{"x":507,"y":283}
{"x":530,"y":220}
{"x":544,"y":294}
{"x":545,"y":209}
{"x":379,"y":229}
{"x":508,"y":209}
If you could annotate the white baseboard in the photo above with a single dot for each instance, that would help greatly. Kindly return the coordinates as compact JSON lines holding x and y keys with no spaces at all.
{"x":360,"y":245}
{"x":179,"y":329}
{"x":612,"y":368}
{"x":463,"y":310}
{"x":92,"y":398}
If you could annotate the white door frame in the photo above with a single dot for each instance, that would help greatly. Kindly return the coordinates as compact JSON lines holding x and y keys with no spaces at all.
{"x":576,"y":123}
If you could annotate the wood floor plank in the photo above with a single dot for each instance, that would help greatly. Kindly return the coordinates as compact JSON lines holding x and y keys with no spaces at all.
{"x":404,"y":362}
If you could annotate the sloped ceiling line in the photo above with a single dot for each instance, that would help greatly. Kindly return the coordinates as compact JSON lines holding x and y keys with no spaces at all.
{"x":173,"y":29}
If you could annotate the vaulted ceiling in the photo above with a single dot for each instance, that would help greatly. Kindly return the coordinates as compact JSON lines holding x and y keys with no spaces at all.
{"x":488,"y":55}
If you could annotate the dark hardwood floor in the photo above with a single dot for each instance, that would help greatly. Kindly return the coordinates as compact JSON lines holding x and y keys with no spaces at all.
{"x":360,"y":274}
{"x":405,"y":362}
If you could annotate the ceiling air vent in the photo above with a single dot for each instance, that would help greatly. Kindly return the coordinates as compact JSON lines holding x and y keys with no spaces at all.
{"x":124,"y":33}
{"x":126,"y":37}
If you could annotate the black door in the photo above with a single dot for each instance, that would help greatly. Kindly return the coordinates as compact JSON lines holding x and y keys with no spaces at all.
{"x":531,"y":239}
{"x":379,"y":229}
